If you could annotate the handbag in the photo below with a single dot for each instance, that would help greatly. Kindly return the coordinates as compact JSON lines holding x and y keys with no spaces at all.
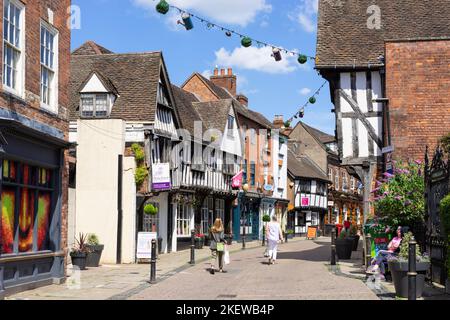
{"x":226,"y":257}
{"x":220,"y":247}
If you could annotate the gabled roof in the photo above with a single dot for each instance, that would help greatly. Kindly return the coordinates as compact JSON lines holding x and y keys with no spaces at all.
{"x":109,"y":86}
{"x":304,"y":167}
{"x":187,"y":113}
{"x":90,"y":47}
{"x":319,"y":135}
{"x":135,"y":77}
{"x":344,"y":39}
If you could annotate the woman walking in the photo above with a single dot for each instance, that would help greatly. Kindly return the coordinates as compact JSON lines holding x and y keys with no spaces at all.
{"x":273,"y":235}
{"x":217,"y":245}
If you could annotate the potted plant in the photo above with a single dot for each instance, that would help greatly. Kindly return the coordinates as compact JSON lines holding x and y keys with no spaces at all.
{"x":79,"y":252}
{"x":95,"y":251}
{"x":265,"y":219}
{"x":199,"y":241}
{"x":398,"y":266}
{"x":355,"y":235}
{"x":344,"y":246}
{"x":290,"y":233}
{"x":152,"y":210}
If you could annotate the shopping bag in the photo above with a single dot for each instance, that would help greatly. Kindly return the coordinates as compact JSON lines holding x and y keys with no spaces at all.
{"x":226,"y":257}
{"x":220,"y":247}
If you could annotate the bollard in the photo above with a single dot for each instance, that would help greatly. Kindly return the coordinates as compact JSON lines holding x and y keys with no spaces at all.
{"x":368,"y":250}
{"x":333,"y":246}
{"x":153,"y":263}
{"x":286,"y":237}
{"x":412,"y":274}
{"x":243,"y":238}
{"x":192,"y":247}
{"x":264,"y":237}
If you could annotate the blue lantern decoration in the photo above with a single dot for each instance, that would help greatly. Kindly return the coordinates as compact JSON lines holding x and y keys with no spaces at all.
{"x":187,"y":21}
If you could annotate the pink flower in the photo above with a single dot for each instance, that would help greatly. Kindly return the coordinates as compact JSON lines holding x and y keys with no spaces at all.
{"x":398,"y":197}
{"x":419,"y":162}
{"x":375,"y":190}
{"x":388,"y":175}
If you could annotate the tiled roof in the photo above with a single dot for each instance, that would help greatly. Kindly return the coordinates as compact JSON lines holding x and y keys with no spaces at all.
{"x":214,"y":114}
{"x":135,"y":77}
{"x":303,"y":167}
{"x":319,"y":135}
{"x":91,"y":47}
{"x":344,"y":39}
{"x":187,"y":113}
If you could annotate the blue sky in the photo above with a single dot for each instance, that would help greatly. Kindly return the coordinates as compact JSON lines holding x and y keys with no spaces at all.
{"x":272,"y":87}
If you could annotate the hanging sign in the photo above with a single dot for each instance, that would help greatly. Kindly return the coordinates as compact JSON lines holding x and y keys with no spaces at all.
{"x":305,"y":202}
{"x":144,"y":244}
{"x":161,"y":176}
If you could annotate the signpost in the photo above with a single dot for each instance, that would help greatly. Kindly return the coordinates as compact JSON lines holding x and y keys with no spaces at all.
{"x":144,"y":244}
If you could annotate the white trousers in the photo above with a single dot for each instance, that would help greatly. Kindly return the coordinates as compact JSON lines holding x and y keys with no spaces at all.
{"x":273,"y":247}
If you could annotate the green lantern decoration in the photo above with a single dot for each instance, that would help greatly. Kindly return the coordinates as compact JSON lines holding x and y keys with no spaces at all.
{"x":150,"y":209}
{"x":312,"y":100}
{"x":162,"y":7}
{"x":302,"y":59}
{"x":246,"y":42}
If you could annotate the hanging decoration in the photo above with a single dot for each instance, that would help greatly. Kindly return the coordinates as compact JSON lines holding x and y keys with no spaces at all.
{"x":276,"y":54}
{"x":246,"y":42}
{"x":163,"y":8}
{"x":187,"y":21}
{"x":311,"y":100}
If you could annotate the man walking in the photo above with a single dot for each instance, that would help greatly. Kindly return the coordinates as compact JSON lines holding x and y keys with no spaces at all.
{"x":273,"y":235}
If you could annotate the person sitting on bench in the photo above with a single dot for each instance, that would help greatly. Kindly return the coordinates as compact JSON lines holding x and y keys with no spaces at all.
{"x":378,"y":263}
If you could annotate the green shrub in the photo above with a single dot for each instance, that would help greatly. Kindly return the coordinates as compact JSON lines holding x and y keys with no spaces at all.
{"x":445,"y":141}
{"x":404,"y":247}
{"x":445,"y":222}
{"x":150,"y":209}
{"x":266,"y":218}
{"x":93,"y":240}
{"x":140,"y":175}
{"x":138,"y":151}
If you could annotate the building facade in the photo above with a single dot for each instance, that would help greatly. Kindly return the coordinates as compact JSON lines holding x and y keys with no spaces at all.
{"x":33,"y":140}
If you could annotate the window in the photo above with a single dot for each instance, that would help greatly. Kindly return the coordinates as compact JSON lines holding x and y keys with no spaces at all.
{"x":330,"y":174}
{"x":352,"y":184}
{"x":252,"y":173}
{"x":94,"y":105}
{"x":344,"y":182}
{"x":336,"y":181}
{"x":13,"y":46}
{"x":207,"y":216}
{"x":49,"y":64}
{"x":321,"y":188}
{"x":26,"y":201}
{"x":230,"y":122}
{"x":305,"y":186}
{"x":151,"y":222}
{"x":184,"y":220}
{"x":220,"y":209}
{"x":244,"y":175}
{"x":162,"y":96}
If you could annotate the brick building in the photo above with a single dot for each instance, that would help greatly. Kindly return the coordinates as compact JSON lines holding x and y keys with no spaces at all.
{"x":389,"y":80}
{"x":33,"y":138}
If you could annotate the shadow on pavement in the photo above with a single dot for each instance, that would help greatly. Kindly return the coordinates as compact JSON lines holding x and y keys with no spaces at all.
{"x":320,"y":254}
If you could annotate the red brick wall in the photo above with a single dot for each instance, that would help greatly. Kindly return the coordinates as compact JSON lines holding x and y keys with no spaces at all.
{"x":418,"y":87}
{"x":30,"y":105}
{"x":197,"y":86}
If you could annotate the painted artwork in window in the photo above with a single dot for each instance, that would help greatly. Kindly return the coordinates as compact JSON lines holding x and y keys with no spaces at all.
{"x":43,"y":220}
{"x":9,"y":170}
{"x":7,"y":224}
{"x":26,"y":212}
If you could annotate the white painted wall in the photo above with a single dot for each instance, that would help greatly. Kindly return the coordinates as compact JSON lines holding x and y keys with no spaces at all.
{"x":231,"y":142}
{"x":99,"y":144}
{"x":71,"y":218}
{"x":94,"y":85}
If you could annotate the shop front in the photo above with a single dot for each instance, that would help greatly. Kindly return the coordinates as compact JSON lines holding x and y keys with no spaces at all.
{"x":33,"y":201}
{"x":246,"y":217}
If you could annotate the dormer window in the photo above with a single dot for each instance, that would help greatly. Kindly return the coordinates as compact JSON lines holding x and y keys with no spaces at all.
{"x":95,"y":105}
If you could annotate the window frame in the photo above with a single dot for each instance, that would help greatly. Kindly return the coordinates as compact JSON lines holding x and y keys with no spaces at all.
{"x":20,"y":70}
{"x":52,"y":105}
{"x":94,"y":105}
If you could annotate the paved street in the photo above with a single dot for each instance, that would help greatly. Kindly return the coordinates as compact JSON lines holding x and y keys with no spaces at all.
{"x":301,"y":272}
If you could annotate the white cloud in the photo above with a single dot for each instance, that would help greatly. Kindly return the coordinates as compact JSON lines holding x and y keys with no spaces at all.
{"x":305,"y":91}
{"x":207,"y":74}
{"x":258,"y":59}
{"x":237,"y":12}
{"x":306,"y":15}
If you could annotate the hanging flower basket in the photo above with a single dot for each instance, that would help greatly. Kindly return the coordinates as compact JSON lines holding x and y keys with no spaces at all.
{"x":150,"y":209}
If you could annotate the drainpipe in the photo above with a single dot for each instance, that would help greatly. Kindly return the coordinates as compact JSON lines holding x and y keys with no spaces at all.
{"x":119,"y":210}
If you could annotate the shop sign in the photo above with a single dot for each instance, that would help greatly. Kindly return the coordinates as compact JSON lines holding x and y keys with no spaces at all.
{"x":331,"y":203}
{"x":161,"y":176}
{"x":268,"y":187}
{"x":144,"y":244}
{"x":305,"y":202}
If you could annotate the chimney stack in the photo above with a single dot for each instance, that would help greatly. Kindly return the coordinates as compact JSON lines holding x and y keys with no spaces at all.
{"x":242,"y":99}
{"x":278,"y":122}
{"x":227,"y":81}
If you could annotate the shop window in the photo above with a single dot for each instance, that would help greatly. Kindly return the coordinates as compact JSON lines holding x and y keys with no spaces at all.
{"x":184,"y":215}
{"x":26,"y":201}
{"x":252,"y":173}
{"x":220,"y":209}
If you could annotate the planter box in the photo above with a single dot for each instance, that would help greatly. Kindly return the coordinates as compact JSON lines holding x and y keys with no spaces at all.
{"x":93,"y":257}
{"x":79,"y":260}
{"x":198,"y":243}
{"x":399,"y":271}
{"x":344,"y":248}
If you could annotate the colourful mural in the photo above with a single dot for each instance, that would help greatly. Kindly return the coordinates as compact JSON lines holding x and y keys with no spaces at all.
{"x":43,"y":219}
{"x":26,"y":213}
{"x":7,"y":226}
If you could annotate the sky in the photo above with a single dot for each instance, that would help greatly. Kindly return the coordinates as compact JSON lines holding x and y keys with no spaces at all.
{"x":273,"y":88}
